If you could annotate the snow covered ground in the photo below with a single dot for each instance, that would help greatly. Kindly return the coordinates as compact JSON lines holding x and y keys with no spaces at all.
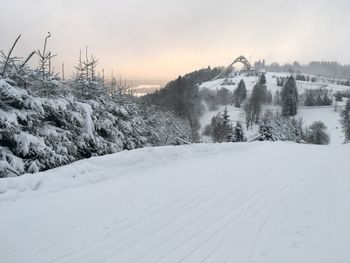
{"x":326,"y":114}
{"x":271,"y":83}
{"x":234,"y":202}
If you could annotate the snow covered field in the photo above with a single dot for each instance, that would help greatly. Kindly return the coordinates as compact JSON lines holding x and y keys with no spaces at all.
{"x":326,"y":114}
{"x":271,"y":83}
{"x":234,"y":202}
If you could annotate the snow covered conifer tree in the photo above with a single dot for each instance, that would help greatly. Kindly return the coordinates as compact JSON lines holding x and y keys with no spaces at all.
{"x":262,"y":79}
{"x":240,"y":94}
{"x":220,"y":128}
{"x":289,"y":97}
{"x":319,"y":101}
{"x":326,"y":100}
{"x":238,"y":133}
{"x":256,"y":101}
{"x":227,"y":126}
{"x":309,"y":100}
{"x":345,"y":121}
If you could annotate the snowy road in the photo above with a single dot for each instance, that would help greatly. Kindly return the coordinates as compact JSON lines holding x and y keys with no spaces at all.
{"x":243,"y":202}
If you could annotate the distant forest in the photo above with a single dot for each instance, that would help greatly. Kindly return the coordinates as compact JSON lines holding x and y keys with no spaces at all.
{"x":319,"y":68}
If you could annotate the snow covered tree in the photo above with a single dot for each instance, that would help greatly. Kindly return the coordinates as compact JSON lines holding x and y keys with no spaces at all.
{"x":319,"y":100}
{"x":274,"y":127}
{"x":227,"y":126}
{"x":238,"y":133}
{"x":247,"y":107}
{"x":326,"y":101}
{"x":309,"y":100}
{"x":220,"y":128}
{"x":8,"y":61}
{"x":262,"y":79}
{"x":266,"y":126}
{"x":316,"y":133}
{"x":345,"y":120}
{"x":338,"y":96}
{"x":256,"y":101}
{"x":240,"y":94}
{"x":289,"y":97}
{"x":45,"y":58}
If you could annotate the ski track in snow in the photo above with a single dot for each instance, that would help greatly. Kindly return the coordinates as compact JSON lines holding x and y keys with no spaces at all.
{"x":234,"y":202}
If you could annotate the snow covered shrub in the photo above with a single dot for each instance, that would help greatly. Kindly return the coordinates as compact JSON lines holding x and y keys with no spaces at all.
{"x":274,"y":127}
{"x":316,"y":133}
{"x":43,"y":130}
{"x":345,"y":120}
{"x":220,"y":129}
{"x":289,"y":97}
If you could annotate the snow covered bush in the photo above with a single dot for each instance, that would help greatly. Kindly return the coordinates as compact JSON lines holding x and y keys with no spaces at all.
{"x":345,"y":121}
{"x":274,"y":127}
{"x":42,"y":129}
{"x":316,"y":133}
{"x":220,"y":129}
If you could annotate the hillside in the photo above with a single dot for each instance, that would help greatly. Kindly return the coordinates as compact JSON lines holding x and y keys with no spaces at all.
{"x":327,"y":114}
{"x":231,"y":202}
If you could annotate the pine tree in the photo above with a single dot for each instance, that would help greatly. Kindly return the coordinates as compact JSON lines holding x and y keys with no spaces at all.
{"x":345,"y":121}
{"x":338,"y":96}
{"x":238,"y":133}
{"x":262,"y":79}
{"x":266,"y":127}
{"x":240,"y":94}
{"x":220,"y":127}
{"x":289,"y":97}
{"x":256,"y":101}
{"x":326,"y":100}
{"x":309,"y":101}
{"x":227,"y":126}
{"x":319,"y":100}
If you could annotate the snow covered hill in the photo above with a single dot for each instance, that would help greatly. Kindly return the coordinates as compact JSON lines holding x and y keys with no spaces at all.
{"x":234,"y":202}
{"x":326,"y":114}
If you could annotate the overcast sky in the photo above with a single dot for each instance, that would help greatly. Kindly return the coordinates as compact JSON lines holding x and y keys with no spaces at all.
{"x":153,"y":39}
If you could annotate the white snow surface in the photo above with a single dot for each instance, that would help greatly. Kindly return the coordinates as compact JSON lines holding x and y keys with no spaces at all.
{"x":326,"y":114}
{"x":233,"y":202}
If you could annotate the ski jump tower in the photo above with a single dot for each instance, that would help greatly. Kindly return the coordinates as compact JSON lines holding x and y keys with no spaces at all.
{"x":240,"y":59}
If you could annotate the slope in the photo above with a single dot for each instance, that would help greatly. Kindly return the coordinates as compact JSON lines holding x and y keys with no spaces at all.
{"x":243,"y":202}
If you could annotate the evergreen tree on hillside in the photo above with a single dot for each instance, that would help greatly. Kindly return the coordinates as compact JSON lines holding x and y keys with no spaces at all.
{"x":266,"y":127}
{"x":345,"y":121}
{"x":316,"y":133}
{"x":289,"y":97}
{"x":262,"y":79}
{"x":257,"y":99}
{"x":238,"y":133}
{"x":220,"y":128}
{"x":240,"y":94}
{"x":326,"y":100}
{"x":309,"y":100}
{"x":319,"y":100}
{"x":338,"y":96}
{"x":227,"y":126}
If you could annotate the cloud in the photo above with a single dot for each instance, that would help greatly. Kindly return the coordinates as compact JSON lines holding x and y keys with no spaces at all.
{"x":162,"y":39}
